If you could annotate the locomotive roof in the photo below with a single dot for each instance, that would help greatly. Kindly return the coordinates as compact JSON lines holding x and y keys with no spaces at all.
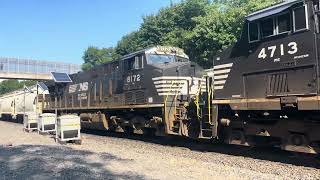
{"x":154,"y":49}
{"x":272,"y":10}
{"x":151,"y":49}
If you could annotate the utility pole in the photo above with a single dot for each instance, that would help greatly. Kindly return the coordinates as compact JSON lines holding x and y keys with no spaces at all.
{"x":24,"y":103}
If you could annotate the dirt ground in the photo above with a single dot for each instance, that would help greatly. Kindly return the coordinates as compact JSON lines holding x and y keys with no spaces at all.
{"x":111,"y":156}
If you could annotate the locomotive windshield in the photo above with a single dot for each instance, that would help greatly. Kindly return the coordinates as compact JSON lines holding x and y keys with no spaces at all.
{"x":164,"y":58}
{"x":165,"y":54}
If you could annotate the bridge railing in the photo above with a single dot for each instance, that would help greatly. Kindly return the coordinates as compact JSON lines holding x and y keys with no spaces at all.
{"x":14,"y":65}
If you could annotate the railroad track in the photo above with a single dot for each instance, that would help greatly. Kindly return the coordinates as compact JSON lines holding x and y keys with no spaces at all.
{"x":203,"y":145}
{"x":118,"y":156}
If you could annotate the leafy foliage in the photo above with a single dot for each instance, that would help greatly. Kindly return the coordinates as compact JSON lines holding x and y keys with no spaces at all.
{"x":129,"y":43}
{"x":219,"y":28}
{"x":200,"y":27}
{"x":12,"y":85}
{"x":94,"y":56}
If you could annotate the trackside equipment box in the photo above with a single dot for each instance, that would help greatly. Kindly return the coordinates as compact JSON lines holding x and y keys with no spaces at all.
{"x":30,"y":122}
{"x":68,"y":129}
{"x":47,"y":123}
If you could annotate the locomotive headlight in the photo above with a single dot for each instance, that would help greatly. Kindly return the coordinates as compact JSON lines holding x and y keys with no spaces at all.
{"x":150,"y":100}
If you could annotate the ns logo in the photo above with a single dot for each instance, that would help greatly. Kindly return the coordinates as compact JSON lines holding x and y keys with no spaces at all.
{"x":79,"y":87}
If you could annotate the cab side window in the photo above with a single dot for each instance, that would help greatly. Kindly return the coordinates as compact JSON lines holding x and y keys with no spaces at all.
{"x":292,"y":20}
{"x":134,"y":63}
{"x":138,"y":62}
{"x":299,"y":18}
{"x":130,"y":64}
{"x":267,"y":26}
{"x":284,"y":23}
{"x":254,"y":34}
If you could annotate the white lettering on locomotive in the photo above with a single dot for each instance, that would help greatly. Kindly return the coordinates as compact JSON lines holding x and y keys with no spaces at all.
{"x":271,"y":50}
{"x":73,"y":88}
{"x":82,"y":96}
{"x":134,"y":78}
{"x":84,"y":86}
{"x":79,"y":87}
{"x":179,"y":85}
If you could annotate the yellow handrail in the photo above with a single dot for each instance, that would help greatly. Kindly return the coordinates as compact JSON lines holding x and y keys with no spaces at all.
{"x":209,"y":97}
{"x":196,"y":101}
{"x":209,"y":103}
{"x":175,"y":104}
{"x":197,"y":97}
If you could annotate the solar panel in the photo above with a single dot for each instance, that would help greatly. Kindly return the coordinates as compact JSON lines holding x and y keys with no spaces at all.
{"x":61,"y":77}
{"x":43,"y":86}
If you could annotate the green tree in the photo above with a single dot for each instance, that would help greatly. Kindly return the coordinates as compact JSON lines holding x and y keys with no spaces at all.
{"x":28,"y":83}
{"x":219,"y":28}
{"x":171,"y":24}
{"x":94,"y":56}
{"x":7,"y":86}
{"x":167,"y":27}
{"x":200,"y":27}
{"x":129,"y":43}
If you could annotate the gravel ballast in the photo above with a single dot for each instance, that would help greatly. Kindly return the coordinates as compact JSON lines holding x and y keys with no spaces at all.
{"x":110,"y":156}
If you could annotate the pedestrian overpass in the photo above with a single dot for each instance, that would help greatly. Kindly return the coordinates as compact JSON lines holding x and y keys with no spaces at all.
{"x":26,"y":69}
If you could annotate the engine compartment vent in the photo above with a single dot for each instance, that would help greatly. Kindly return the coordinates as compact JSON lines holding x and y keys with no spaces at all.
{"x":132,"y":97}
{"x":140,"y":98}
{"x":278,"y":84}
{"x":129,"y":97}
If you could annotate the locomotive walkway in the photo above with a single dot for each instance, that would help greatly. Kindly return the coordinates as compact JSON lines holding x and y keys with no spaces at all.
{"x":26,"y":69}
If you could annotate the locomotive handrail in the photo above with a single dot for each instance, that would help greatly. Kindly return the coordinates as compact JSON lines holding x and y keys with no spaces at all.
{"x":197,"y":97}
{"x":209,"y":102}
{"x":197,"y":103}
{"x":209,"y":97}
{"x":175,"y":104}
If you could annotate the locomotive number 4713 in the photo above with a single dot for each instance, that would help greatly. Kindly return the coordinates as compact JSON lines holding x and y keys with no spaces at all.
{"x":292,"y":49}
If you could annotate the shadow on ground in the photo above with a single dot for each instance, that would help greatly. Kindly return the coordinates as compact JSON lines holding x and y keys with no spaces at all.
{"x":262,"y":153}
{"x":57,"y":162}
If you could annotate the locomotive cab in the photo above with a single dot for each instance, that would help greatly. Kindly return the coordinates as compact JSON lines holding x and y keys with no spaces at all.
{"x":275,"y":56}
{"x":164,"y":77}
{"x":266,"y":86}
{"x":156,"y":73}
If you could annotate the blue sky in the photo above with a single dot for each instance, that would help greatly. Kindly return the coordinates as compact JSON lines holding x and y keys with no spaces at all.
{"x":60,"y":30}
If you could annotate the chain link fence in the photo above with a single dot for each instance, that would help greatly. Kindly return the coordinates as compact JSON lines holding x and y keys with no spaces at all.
{"x":14,"y":65}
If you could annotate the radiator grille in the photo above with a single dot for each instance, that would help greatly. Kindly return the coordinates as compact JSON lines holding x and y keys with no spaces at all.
{"x":134,"y":97}
{"x":278,"y":84}
{"x":140,"y":97}
{"x":129,"y":97}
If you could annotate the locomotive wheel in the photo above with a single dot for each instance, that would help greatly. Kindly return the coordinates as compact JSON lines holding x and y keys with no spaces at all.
{"x":149,"y":132}
{"x":128,"y":130}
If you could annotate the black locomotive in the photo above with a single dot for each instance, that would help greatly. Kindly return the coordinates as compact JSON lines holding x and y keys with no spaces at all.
{"x":146,"y":91}
{"x":262,"y":90}
{"x":266,"y":86}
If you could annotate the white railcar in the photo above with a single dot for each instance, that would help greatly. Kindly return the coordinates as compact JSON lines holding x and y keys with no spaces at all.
{"x":15,"y":104}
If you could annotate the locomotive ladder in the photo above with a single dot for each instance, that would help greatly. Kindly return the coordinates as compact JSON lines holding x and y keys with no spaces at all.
{"x":206,"y":125}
